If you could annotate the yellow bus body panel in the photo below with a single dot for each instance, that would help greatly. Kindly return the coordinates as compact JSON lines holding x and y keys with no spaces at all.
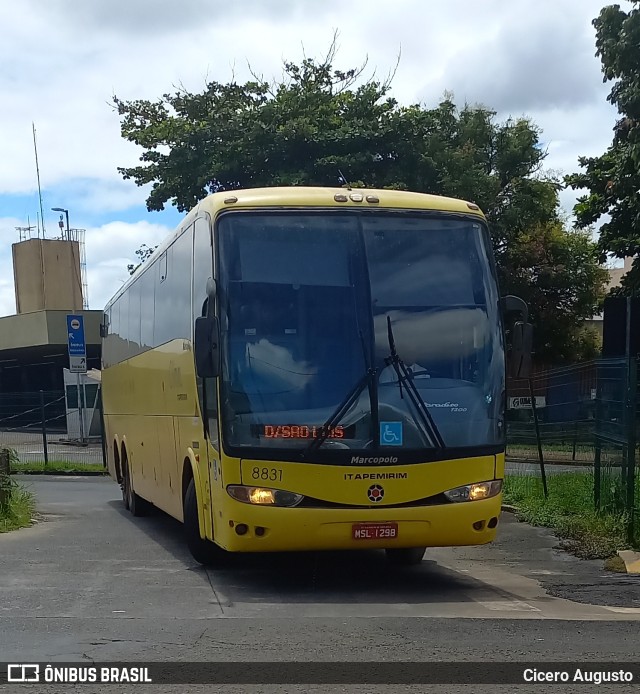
{"x":349,"y":484}
{"x":300,"y":529}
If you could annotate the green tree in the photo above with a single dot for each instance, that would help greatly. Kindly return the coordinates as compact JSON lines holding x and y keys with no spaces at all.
{"x":558,"y":273}
{"x":612,"y":180}
{"x":143,"y":253}
{"x":319,"y":121}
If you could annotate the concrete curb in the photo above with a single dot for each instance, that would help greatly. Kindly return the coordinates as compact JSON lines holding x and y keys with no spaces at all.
{"x":631,"y":560}
{"x":509,"y":509}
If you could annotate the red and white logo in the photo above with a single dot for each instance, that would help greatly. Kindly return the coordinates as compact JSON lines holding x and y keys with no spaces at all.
{"x":375,"y":493}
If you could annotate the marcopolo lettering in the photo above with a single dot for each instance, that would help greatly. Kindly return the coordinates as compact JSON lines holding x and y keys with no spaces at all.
{"x":376,"y":475}
{"x":357,"y":460}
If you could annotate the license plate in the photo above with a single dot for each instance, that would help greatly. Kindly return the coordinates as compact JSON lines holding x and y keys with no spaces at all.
{"x":374,"y":531}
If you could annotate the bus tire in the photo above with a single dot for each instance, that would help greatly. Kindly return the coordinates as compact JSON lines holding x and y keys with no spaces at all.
{"x":405,"y":556}
{"x":125,"y":497}
{"x":203,"y":551}
{"x":136,"y":504}
{"x":120,"y":475}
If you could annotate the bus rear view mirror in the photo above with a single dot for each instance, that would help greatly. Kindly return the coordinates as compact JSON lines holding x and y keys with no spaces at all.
{"x":206,"y":346}
{"x":521,"y":350}
{"x":514,"y":308}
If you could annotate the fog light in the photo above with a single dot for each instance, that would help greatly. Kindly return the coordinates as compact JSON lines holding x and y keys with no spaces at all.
{"x":492,"y":523}
{"x":478,"y":525}
{"x":241,"y":529}
{"x":260,"y":531}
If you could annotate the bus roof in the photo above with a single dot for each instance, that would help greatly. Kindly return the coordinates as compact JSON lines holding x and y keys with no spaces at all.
{"x":300,"y":196}
{"x":303,"y":196}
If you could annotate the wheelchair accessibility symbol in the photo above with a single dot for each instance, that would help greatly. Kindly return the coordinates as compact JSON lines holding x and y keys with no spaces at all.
{"x":391,"y":433}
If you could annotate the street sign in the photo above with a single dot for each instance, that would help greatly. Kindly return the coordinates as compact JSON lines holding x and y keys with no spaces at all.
{"x":524,"y":402}
{"x":77,"y":365}
{"x":76,"y":344}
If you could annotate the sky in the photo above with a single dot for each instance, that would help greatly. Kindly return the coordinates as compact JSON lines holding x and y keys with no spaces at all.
{"x":63,"y":60}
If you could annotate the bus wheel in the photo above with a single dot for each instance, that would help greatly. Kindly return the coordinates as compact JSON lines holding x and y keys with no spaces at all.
{"x":136,"y":504}
{"x":203,"y":551}
{"x":120,"y":473}
{"x":125,"y":496}
{"x":405,"y":556}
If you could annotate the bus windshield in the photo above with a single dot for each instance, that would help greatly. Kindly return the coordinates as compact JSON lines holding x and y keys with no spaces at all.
{"x":314,"y":306}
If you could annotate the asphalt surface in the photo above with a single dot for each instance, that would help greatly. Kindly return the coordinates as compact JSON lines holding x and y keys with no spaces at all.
{"x":91,"y":583}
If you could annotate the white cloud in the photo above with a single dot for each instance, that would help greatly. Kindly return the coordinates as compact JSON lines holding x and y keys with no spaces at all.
{"x":64,"y":59}
{"x":7,"y":294}
{"x":90,"y":196}
{"x":110,"y":248}
{"x":528,"y":56}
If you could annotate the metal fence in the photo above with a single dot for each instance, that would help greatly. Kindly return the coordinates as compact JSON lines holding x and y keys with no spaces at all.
{"x":580,"y":409}
{"x":581,"y":420}
{"x":56,"y":429}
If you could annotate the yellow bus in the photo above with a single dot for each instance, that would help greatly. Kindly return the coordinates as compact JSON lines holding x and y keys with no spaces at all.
{"x":313,"y":369}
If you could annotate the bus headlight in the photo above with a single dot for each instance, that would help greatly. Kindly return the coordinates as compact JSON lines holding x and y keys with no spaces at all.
{"x":262,"y":496}
{"x":475,"y":492}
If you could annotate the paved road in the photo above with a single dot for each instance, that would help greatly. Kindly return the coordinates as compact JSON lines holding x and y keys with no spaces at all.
{"x":92,"y":583}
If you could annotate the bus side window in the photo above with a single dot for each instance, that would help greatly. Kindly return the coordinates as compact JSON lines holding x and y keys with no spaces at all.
{"x":202,"y":271}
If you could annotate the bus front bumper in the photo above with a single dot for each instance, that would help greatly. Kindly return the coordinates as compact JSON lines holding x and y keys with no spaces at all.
{"x":247,"y":528}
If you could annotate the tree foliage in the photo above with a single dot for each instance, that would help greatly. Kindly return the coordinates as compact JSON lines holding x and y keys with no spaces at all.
{"x":612,"y":180}
{"x":558,"y":273}
{"x":319,"y":122}
{"x":143,"y":253}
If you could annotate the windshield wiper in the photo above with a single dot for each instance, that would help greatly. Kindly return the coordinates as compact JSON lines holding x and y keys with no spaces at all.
{"x":422,"y":416}
{"x":369,"y":380}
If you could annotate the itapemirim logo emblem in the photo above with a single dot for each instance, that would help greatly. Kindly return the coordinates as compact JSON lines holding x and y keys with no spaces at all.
{"x":375,"y":493}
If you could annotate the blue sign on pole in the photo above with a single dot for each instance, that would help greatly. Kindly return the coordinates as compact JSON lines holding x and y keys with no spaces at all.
{"x":76,"y":344}
{"x":75,"y":332}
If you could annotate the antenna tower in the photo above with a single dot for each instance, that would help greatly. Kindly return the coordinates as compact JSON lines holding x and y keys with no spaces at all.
{"x":78,"y":235}
{"x":24,"y":233}
{"x":35,"y":149}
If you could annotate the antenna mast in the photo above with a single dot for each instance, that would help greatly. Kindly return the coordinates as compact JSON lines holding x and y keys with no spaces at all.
{"x":343,"y":179}
{"x":25,"y":232}
{"x":35,"y":148}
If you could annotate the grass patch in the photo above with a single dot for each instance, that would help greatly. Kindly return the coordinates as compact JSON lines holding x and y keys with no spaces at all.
{"x":570,"y":511}
{"x":62,"y":466}
{"x":18,"y":511}
{"x":615,"y":564}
